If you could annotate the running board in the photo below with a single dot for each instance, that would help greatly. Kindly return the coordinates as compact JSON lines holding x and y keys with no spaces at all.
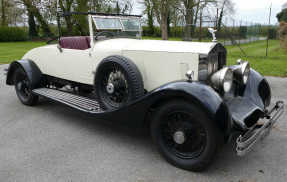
{"x":76,"y":101}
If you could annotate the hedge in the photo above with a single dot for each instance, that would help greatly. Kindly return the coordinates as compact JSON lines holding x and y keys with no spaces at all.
{"x":12,"y":34}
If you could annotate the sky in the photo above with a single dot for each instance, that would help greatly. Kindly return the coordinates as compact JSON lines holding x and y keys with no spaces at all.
{"x":256,"y":11}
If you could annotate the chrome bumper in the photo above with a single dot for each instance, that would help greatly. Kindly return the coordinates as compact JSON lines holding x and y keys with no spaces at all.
{"x":259,"y":131}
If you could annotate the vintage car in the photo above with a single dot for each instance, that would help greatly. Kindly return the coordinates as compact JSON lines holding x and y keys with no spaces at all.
{"x":192,"y":102}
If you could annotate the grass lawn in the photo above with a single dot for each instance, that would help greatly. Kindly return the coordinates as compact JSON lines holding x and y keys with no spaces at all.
{"x":274,"y":65}
{"x":11,"y":51}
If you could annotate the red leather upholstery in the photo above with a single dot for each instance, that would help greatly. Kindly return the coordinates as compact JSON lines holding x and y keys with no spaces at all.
{"x":88,"y":41}
{"x":79,"y":43}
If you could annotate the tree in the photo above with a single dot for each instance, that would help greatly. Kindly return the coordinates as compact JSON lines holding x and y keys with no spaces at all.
{"x":148,"y":10}
{"x":226,"y":7}
{"x":3,"y":13}
{"x":190,"y":10}
{"x":5,"y":6}
{"x":31,"y":18}
{"x":82,"y":21}
{"x":66,"y":6}
{"x":282,"y":35}
{"x":123,"y":7}
{"x":161,"y":9}
{"x":33,"y":8}
{"x":282,"y":16}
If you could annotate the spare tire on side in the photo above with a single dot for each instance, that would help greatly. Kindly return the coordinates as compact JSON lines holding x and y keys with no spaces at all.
{"x":117,"y":81}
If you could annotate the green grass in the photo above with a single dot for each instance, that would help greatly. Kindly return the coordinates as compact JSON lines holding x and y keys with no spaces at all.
{"x":11,"y":51}
{"x":274,"y":65}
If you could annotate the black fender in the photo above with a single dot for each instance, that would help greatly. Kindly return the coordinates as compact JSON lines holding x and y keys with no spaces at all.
{"x":257,"y":90}
{"x":32,"y":70}
{"x":198,"y":94}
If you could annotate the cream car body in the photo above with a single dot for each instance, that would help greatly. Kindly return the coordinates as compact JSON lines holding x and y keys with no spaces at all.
{"x":154,"y":58}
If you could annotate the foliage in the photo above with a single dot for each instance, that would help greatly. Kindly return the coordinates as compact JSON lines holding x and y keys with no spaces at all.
{"x":272,"y":33}
{"x":242,"y":31}
{"x":282,"y":16}
{"x":282,"y":35}
{"x":12,"y":34}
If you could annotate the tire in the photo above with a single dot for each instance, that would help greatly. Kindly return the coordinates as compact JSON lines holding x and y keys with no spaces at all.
{"x":185,"y":136}
{"x":117,"y":82}
{"x":23,"y":89}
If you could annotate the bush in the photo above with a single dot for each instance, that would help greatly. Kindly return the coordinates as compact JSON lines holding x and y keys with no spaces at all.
{"x":242,"y":31}
{"x":272,"y":33}
{"x":12,"y":34}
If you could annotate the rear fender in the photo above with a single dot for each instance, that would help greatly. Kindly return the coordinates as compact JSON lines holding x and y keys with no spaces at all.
{"x":32,"y":70}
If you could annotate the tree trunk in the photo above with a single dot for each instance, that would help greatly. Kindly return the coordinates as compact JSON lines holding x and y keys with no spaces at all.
{"x":68,"y":19}
{"x":164,"y":32}
{"x":189,"y":4}
{"x":31,"y":18}
{"x":32,"y":25}
{"x":161,"y":9}
{"x":43,"y":23}
{"x":3,"y":13}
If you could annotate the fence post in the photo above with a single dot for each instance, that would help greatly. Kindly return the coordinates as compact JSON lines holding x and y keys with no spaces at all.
{"x":239,"y":28}
{"x":250,"y":31}
{"x":246,"y":33}
{"x":200,"y":22}
{"x":255,"y":32}
{"x":225,"y":30}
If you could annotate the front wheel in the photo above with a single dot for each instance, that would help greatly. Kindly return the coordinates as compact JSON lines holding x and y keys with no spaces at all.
{"x":185,"y":136}
{"x":23,"y":89}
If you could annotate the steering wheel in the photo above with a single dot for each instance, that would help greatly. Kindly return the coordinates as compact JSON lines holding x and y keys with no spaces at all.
{"x":108,"y":35}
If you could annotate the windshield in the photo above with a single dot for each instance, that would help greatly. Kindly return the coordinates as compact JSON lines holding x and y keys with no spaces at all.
{"x":117,"y":27}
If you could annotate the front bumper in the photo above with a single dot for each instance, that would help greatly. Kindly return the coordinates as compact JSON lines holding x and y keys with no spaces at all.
{"x":259,"y":131}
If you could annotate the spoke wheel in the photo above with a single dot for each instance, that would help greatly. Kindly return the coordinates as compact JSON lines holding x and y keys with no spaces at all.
{"x":117,"y":82}
{"x":115,"y":87}
{"x":184,"y":135}
{"x":23,"y":89}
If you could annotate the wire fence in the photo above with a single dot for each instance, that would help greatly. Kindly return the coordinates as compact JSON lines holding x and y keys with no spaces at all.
{"x":229,"y":31}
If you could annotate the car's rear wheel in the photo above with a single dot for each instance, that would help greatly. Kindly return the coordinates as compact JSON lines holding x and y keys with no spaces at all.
{"x":117,"y":81}
{"x":185,"y":136}
{"x":23,"y":88}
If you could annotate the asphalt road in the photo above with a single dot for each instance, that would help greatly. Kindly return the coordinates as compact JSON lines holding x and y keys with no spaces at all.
{"x":51,"y":142}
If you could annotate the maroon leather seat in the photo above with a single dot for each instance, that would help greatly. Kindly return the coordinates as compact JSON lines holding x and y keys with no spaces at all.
{"x":79,"y":43}
{"x":88,"y":41}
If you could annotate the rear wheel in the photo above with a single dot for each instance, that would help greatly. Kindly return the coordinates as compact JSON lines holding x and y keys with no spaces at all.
{"x":23,"y":89}
{"x":185,"y":136}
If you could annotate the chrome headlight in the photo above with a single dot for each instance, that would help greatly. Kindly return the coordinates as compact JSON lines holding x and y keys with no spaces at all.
{"x":241,"y":71}
{"x":222,"y":79}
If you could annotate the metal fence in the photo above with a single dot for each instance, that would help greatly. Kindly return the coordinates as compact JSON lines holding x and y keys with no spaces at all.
{"x":229,"y":31}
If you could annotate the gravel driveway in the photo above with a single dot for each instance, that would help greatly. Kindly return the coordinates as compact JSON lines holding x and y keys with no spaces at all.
{"x":51,"y":142}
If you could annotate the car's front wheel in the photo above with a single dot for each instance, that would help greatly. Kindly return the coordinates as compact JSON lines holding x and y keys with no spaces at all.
{"x":185,"y":136}
{"x":117,"y":82}
{"x":23,"y":89}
